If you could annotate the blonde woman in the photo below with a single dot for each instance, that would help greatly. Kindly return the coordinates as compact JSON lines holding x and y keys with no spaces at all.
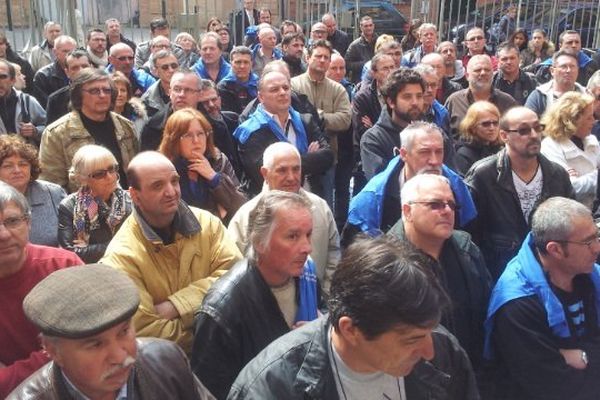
{"x":568,"y":142}
{"x":89,"y":218}
{"x":479,"y":135}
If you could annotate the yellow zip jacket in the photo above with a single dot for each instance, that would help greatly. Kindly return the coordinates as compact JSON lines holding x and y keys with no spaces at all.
{"x":181,"y":272}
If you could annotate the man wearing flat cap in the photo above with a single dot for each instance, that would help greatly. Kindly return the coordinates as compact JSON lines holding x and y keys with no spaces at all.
{"x":84,"y":315}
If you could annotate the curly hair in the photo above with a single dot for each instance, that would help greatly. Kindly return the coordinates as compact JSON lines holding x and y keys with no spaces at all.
{"x":13,"y":145}
{"x":177,"y":125}
{"x":562,"y":116}
{"x":469,"y":123}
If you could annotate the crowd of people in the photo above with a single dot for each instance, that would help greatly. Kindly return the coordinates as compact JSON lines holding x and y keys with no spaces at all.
{"x":260,"y":214}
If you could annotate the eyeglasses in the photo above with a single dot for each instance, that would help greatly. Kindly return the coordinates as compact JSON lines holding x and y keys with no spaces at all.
{"x":487,"y":124}
{"x":475,"y":38}
{"x":165,"y":67}
{"x":125,"y":58}
{"x":97,"y":91}
{"x":438,"y":205}
{"x":587,"y":243}
{"x":183,"y":90}
{"x":566,"y":67}
{"x":526,"y":130}
{"x":102,"y":173}
{"x":431,"y":86}
{"x":3,"y":77}
{"x":12,"y":223}
{"x":193,"y":136}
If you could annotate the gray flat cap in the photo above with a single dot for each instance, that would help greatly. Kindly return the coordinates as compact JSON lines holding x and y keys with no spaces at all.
{"x":79,"y":302}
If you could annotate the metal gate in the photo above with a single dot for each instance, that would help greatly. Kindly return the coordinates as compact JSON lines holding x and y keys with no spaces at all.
{"x":553,"y":16}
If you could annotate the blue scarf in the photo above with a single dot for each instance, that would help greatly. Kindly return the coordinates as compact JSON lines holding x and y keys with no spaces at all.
{"x":251,"y":85}
{"x":307,"y":303}
{"x":260,"y":119}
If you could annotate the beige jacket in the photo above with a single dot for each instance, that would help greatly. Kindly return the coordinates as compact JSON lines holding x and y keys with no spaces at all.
{"x":62,"y":139}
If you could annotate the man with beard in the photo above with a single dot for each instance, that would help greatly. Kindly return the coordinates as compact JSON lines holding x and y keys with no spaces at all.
{"x":403,"y":96}
{"x":96,"y":48}
{"x":84,"y":314}
{"x":453,"y":68}
{"x":508,"y":186}
{"x":378,"y":205}
{"x":479,"y":75}
{"x":564,"y":79}
{"x":293,"y":51}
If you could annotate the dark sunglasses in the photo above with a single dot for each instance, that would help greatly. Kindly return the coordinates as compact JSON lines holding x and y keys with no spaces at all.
{"x":526,"y":130}
{"x":165,"y":67}
{"x":438,"y":205}
{"x":125,"y":58}
{"x":487,"y":124}
{"x":101,"y":173}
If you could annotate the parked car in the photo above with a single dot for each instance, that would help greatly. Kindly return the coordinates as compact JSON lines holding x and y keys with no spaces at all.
{"x":386,"y":17}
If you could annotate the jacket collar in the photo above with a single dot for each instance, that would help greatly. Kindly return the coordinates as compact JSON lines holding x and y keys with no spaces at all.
{"x":184,"y":223}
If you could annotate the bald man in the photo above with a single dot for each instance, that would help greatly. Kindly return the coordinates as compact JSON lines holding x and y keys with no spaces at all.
{"x":173,"y":252}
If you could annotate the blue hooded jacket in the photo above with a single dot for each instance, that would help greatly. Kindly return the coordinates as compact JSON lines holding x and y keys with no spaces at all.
{"x":582,"y":59}
{"x":251,"y":84}
{"x":259,"y":119}
{"x":366,"y":208}
{"x":224,"y":69}
{"x":142,"y":79}
{"x":524,"y":277}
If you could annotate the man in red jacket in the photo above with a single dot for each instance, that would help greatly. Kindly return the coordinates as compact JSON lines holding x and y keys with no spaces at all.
{"x":22,"y":266}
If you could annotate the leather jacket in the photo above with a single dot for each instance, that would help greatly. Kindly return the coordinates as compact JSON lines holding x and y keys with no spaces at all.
{"x":99,"y":238}
{"x":296,"y":366}
{"x":161,"y":372}
{"x":500,"y":226}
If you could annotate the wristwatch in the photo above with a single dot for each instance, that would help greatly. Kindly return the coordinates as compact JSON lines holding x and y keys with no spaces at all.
{"x":584,"y":357}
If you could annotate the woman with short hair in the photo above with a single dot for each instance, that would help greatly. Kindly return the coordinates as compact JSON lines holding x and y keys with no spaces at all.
{"x":89,"y":218}
{"x":20,"y":168}
{"x":208,"y":179}
{"x":479,"y":135}
{"x":568,"y":142}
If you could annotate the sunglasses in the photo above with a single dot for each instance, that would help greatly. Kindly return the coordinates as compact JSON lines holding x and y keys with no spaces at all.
{"x":97,"y":91}
{"x":438,"y":205}
{"x":101,"y":173}
{"x":125,"y":58}
{"x":487,"y":124}
{"x":526,"y":130}
{"x":165,"y":67}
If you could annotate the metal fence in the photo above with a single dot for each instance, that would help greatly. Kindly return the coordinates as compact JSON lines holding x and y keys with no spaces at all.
{"x":23,"y":20}
{"x":553,"y":16}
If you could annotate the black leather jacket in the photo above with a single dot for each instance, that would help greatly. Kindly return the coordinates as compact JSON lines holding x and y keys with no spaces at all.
{"x":500,"y":226}
{"x":238,"y":318}
{"x":99,"y":238}
{"x":161,"y":372}
{"x":47,"y":81}
{"x":297,"y":367}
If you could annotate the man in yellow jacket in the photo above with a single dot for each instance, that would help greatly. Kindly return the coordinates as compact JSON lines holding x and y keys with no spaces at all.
{"x":173,"y":252}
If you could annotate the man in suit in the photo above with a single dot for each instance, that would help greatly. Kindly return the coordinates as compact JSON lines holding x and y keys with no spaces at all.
{"x":242,"y":19}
